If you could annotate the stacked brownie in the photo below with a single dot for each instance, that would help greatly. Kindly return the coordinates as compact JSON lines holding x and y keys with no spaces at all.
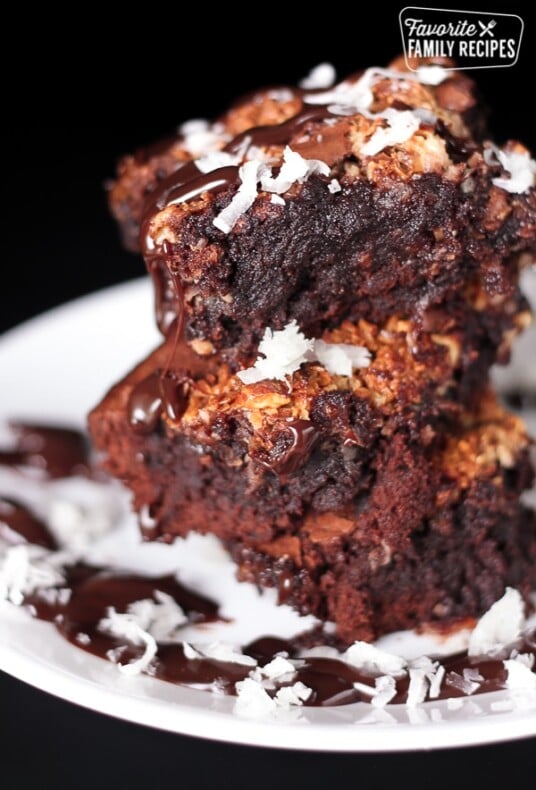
{"x":336,"y":270}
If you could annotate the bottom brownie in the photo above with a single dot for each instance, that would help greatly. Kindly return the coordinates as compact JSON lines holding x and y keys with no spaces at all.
{"x":431,"y":529}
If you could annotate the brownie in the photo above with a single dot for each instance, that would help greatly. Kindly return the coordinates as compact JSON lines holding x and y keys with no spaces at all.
{"x":335,"y":272}
{"x":395,"y":230}
{"x":370,"y":490}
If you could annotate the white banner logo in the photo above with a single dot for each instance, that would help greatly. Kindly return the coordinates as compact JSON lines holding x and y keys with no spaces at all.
{"x":473,"y":39}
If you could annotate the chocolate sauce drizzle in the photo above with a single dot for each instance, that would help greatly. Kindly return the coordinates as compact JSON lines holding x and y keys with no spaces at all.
{"x":188,"y":182}
{"x":19,"y":525}
{"x":82,"y":601}
{"x":54,"y":451}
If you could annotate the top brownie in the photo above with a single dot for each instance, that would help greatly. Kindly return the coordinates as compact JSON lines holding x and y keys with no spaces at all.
{"x":380,"y":195}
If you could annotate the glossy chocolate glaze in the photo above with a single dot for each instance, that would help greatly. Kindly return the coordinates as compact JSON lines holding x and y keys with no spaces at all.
{"x":281,"y":133}
{"x":164,"y":295}
{"x":145,"y":404}
{"x":19,"y":525}
{"x":292,"y":448}
{"x":56,"y":452}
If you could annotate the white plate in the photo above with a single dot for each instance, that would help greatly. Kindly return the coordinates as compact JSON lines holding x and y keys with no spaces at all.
{"x":55,"y":368}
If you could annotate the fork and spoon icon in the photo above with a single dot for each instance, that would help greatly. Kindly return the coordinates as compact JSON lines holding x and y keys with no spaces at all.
{"x":487,"y":28}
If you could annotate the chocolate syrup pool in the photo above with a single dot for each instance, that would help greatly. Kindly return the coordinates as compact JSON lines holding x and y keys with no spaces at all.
{"x":77,"y":606}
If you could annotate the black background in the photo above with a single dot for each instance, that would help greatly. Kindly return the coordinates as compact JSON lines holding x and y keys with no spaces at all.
{"x":70,"y":115}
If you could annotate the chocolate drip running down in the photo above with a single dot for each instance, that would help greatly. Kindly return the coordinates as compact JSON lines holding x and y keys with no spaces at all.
{"x":162,"y":392}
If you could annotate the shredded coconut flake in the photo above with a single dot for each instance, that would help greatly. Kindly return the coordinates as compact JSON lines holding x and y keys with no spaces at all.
{"x":500,"y":626}
{"x":249,"y":174}
{"x":145,"y":623}
{"x":418,"y":687}
{"x":200,"y":137}
{"x":289,"y":696}
{"x":434,"y":673}
{"x":371,"y":659}
{"x":321,"y":77}
{"x":27,"y":569}
{"x":278,"y":668}
{"x":340,"y":359}
{"x":126,"y":626}
{"x":215,"y":159}
{"x":461,"y":683}
{"x":348,"y":97}
{"x":277,"y":200}
{"x":162,"y":619}
{"x":382,"y":693}
{"x":401,"y":125}
{"x":295,"y":169}
{"x":523,"y":658}
{"x":520,"y":674}
{"x":281,"y":353}
{"x":253,"y":701}
{"x":432,"y":75}
{"x":521,"y":168}
{"x":436,"y":681}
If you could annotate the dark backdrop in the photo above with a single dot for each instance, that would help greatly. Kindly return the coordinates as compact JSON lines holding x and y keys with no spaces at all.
{"x":68,"y":119}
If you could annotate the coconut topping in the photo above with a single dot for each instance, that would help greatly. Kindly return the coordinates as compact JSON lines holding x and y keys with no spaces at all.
{"x":432,"y":75}
{"x":520,"y":168}
{"x":145,"y":623}
{"x":200,"y":137}
{"x":401,"y":125}
{"x":243,"y":199}
{"x":26,"y":569}
{"x":520,"y":674}
{"x":282,"y":352}
{"x":126,"y":626}
{"x":381,"y":693}
{"x":215,"y":159}
{"x":321,"y":77}
{"x":254,"y":702}
{"x":340,"y":359}
{"x":369,"y":658}
{"x":295,"y":169}
{"x":500,"y":626}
